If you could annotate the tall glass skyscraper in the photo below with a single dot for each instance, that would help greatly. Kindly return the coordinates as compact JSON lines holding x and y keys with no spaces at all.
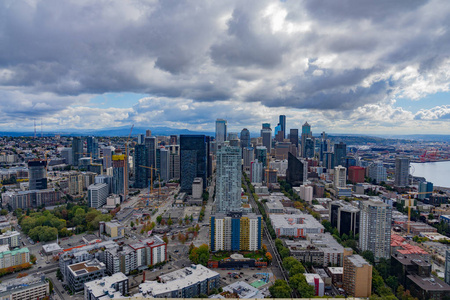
{"x":245,"y":138}
{"x":193,"y":160}
{"x":228,"y":179}
{"x":221,"y":130}
{"x":140,"y":173}
{"x":340,"y":152}
{"x":306,"y":133}
{"x":92,"y":147}
{"x":401,"y":171}
{"x":77,"y":150}
{"x":37,"y":175}
{"x":282,"y":123}
{"x":266,"y":134}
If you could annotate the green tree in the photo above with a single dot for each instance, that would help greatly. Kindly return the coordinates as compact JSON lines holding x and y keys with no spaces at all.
{"x":368,"y":255}
{"x":3,"y":212}
{"x":132,"y":224}
{"x":169,"y":221}
{"x":280,"y":289}
{"x":200,"y":255}
{"x":298,"y":282}
{"x":159,"y":219}
{"x":392,"y":282}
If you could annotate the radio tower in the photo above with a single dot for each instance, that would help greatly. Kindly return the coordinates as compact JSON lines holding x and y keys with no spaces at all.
{"x":35,"y":128}
{"x":42,"y":134}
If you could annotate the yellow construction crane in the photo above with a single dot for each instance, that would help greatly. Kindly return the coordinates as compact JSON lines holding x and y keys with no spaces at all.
{"x":410,"y":204}
{"x":150,"y":190}
{"x":125,"y":177}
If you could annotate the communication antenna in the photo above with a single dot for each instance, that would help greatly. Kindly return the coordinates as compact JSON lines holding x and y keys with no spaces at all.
{"x":35,"y":128}
{"x":42,"y":134}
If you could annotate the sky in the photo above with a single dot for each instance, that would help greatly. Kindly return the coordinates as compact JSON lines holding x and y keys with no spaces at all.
{"x":349,"y":66}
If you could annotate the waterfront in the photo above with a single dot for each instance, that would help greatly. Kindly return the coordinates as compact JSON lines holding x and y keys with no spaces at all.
{"x":436,"y":172}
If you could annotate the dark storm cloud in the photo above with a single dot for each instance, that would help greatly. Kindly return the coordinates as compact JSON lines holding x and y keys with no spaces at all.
{"x":325,"y":55}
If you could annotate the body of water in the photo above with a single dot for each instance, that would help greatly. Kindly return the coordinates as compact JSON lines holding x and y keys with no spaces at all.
{"x":436,"y":172}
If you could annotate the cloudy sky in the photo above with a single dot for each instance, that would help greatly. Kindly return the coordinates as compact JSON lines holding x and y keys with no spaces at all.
{"x":348,"y":66}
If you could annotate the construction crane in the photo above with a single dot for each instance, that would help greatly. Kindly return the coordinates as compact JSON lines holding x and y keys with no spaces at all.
{"x":125,"y":177}
{"x":150,"y":188}
{"x":410,"y":204}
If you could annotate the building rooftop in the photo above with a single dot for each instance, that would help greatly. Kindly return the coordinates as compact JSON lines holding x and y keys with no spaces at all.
{"x":243,"y":290}
{"x":336,"y":270}
{"x":357,"y":260}
{"x":176,"y":280}
{"x":105,"y":286}
{"x":24,"y":282}
{"x":431,"y":283}
{"x":298,"y":221}
{"x":86,"y":267}
{"x":53,"y":247}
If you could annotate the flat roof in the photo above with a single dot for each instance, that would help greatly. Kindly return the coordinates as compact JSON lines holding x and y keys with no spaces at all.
{"x":431,"y":283}
{"x":86,"y":267}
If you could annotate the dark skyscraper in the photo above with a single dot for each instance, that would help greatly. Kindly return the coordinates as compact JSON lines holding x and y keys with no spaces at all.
{"x":266,"y":134}
{"x":295,"y":171}
{"x":151,"y":144}
{"x":293,"y":137}
{"x":77,"y":150}
{"x":92,"y":147}
{"x":282,"y":122}
{"x":193,"y":160}
{"x":309,"y":148}
{"x":140,"y":173}
{"x":245,"y":138}
{"x":37,"y":175}
{"x":340,"y":152}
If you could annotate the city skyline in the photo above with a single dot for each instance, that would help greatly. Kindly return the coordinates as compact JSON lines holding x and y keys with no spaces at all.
{"x":363,"y":67}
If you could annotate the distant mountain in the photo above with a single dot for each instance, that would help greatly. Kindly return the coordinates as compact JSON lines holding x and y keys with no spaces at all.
{"x":117,"y":131}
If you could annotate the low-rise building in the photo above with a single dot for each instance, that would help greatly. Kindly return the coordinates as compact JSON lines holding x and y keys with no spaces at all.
{"x":113,"y":229}
{"x":11,"y":258}
{"x":188,"y":282}
{"x":51,"y":249}
{"x":243,"y":290}
{"x":298,"y":225}
{"x":31,"y":198}
{"x":29,"y":287}
{"x":336,"y":274}
{"x":80,"y":273}
{"x":357,"y":276}
{"x":10,"y":238}
{"x":108,"y":287}
{"x":316,"y":281}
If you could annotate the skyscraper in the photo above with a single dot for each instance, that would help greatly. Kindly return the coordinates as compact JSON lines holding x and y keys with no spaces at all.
{"x":173,"y":139}
{"x":377,"y":172}
{"x":248,"y":155}
{"x":140,"y":173}
{"x":92,"y":147}
{"x":266,"y":134}
{"x":37,"y":174}
{"x":221,"y":130}
{"x":340,"y":152}
{"x":295,"y":173}
{"x":282,"y":123}
{"x":306,"y":133}
{"x":293,"y":137}
{"x":193,"y":160}
{"x":309,"y":148}
{"x":164,"y":164}
{"x":140,"y":139}
{"x":175,"y":161}
{"x":401,"y":171}
{"x":151,"y":144}
{"x":118,"y":163}
{"x":228,"y":179}
{"x":375,"y":228}
{"x":77,"y":150}
{"x":261,"y":155}
{"x":340,"y":177}
{"x":245,"y":138}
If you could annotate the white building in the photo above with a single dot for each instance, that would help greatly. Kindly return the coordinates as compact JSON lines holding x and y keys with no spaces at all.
{"x":340,"y":177}
{"x":10,"y":238}
{"x":108,"y":287}
{"x":279,"y":165}
{"x":316,"y":282}
{"x":188,"y":282}
{"x":97,"y":194}
{"x":375,"y":228}
{"x":377,"y":172}
{"x":306,"y":193}
{"x":197,"y":188}
{"x":11,"y":258}
{"x":228,"y":179}
{"x":298,"y":225}
{"x":256,"y":171}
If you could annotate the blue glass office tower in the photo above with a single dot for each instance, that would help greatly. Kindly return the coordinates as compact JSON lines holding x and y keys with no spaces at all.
{"x":140,"y":173}
{"x":193,"y":160}
{"x":282,"y":123}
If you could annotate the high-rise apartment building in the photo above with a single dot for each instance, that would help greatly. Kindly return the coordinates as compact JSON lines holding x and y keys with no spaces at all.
{"x":357,"y":276}
{"x":118,"y":164}
{"x":345,"y":217}
{"x":164,"y":164}
{"x":92,"y":147}
{"x":340,"y":177}
{"x":249,"y":156}
{"x":401,"y":171}
{"x":37,"y":174}
{"x":261,"y":155}
{"x":266,"y":135}
{"x":221,"y":130}
{"x":193,"y":160}
{"x":309,"y":148}
{"x":375,"y":228}
{"x":174,"y":163}
{"x":236,"y":232}
{"x":97,"y":194}
{"x":356,"y":174}
{"x":151,"y":143}
{"x":377,"y":172}
{"x":228,"y":179}
{"x":77,"y":150}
